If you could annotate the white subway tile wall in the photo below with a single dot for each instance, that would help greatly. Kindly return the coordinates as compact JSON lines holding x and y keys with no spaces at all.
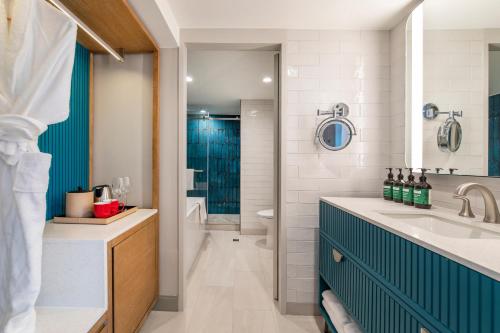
{"x":454,"y":76}
{"x":257,"y":151}
{"x":444,"y":186}
{"x":324,"y":68}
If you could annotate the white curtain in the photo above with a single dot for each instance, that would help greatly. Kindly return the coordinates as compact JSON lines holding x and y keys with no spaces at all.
{"x":37,"y":47}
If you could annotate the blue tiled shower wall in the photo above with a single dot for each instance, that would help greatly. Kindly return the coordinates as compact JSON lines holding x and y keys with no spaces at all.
{"x":214,"y":148}
{"x":68,"y":141}
{"x":494,"y":136}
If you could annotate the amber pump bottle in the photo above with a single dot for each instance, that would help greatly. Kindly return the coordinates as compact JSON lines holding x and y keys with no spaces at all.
{"x":397,"y":189}
{"x":422,"y":193}
{"x":408,"y":189}
{"x":388,"y":185}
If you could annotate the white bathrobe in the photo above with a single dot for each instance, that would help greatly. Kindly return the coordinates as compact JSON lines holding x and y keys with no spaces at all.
{"x":36,"y":60}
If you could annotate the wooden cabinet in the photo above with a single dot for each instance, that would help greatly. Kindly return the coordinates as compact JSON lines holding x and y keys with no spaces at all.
{"x":101,"y":326}
{"x":132,"y":277}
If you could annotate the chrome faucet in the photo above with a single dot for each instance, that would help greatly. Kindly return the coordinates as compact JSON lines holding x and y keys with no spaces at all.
{"x":491,"y":213}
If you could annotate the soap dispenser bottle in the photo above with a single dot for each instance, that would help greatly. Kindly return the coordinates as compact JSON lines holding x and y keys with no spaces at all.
{"x":388,"y":185}
{"x":422,"y":192}
{"x":397,"y":190}
{"x":408,"y":189}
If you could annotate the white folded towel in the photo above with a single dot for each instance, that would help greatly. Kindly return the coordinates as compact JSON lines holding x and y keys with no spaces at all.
{"x":340,"y":318}
{"x":352,"y":328}
{"x":335,"y":303}
{"x":203,"y":211}
{"x":339,"y":326}
{"x":189,"y":179}
{"x":330,"y":297}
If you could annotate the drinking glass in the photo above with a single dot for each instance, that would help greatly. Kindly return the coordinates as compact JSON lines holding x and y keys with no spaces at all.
{"x":126,"y":187}
{"x":117,"y":188}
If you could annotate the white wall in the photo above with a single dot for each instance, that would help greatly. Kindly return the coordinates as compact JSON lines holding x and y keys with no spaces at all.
{"x":123,"y":122}
{"x":444,"y":187}
{"x":454,"y":79}
{"x":257,"y":167}
{"x":327,"y":67}
{"x":323,"y":68}
{"x":169,"y":150}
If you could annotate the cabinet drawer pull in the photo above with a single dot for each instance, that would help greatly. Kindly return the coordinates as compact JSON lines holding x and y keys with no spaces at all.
{"x":337,"y":256}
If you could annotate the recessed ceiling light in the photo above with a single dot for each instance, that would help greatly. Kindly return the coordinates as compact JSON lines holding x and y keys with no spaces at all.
{"x":189,"y":79}
{"x":203,"y":111}
{"x":267,"y":79}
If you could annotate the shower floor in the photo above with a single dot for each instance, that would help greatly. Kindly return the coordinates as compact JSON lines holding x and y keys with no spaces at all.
{"x":225,"y":219}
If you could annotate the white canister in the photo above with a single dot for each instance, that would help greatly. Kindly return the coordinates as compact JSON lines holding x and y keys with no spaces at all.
{"x":79,"y":203}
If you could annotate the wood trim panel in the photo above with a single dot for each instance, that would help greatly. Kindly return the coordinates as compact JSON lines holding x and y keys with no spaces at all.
{"x":115,"y":22}
{"x":156,"y":131}
{"x":142,"y":26}
{"x":101,"y":325}
{"x":91,"y":120}
{"x":110,"y":260}
{"x":134,"y":261}
{"x":110,"y":288}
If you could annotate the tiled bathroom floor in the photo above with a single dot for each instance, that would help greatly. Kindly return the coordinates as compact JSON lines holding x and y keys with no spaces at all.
{"x":230,"y":291}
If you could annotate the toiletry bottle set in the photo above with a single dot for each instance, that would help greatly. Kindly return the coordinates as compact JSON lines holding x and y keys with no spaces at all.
{"x":409,"y":193}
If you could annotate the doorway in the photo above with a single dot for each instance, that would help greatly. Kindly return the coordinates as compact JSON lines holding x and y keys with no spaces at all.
{"x":232,"y":134}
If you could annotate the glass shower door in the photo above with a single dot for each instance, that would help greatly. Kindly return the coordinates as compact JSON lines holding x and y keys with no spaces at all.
{"x":197,"y":155}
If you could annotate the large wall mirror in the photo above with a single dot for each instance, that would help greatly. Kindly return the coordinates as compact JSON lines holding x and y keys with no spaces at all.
{"x":460,"y":107}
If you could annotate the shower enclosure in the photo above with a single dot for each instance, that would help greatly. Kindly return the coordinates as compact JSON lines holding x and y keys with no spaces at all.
{"x":213,"y":151}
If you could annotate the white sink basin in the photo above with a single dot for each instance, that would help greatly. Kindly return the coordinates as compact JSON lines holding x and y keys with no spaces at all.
{"x":442,"y":226}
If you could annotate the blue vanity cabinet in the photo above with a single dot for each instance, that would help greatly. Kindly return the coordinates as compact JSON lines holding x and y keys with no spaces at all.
{"x":389,"y":284}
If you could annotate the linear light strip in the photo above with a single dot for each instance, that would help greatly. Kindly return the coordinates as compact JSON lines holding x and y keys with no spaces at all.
{"x":85,"y":28}
{"x":417,"y":60}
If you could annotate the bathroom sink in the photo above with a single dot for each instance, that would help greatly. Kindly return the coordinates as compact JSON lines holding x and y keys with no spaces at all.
{"x":442,"y":226}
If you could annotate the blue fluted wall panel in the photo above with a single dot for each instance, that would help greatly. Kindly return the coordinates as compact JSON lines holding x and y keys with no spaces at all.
{"x":219,"y":142}
{"x":68,"y":142}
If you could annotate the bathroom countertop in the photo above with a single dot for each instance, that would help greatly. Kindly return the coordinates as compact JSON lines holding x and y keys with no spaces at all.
{"x":63,"y":320}
{"x":482,"y":255}
{"x":84,"y":232}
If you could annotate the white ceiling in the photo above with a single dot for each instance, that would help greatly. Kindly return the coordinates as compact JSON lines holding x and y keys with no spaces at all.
{"x":290,"y":14}
{"x":159,"y":20}
{"x":222,"y":78}
{"x":461,"y":14}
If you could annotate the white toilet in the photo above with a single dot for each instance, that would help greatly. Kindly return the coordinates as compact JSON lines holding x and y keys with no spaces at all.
{"x":266,"y":218}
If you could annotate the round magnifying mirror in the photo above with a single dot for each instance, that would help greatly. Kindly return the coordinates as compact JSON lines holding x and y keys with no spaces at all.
{"x":335,"y":134}
{"x":450,"y":136}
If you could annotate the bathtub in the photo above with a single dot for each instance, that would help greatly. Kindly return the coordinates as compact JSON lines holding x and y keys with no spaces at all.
{"x":194,"y":232}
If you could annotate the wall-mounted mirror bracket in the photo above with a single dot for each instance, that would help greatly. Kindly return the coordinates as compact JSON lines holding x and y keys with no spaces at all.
{"x":338,"y":110}
{"x":430,"y":111}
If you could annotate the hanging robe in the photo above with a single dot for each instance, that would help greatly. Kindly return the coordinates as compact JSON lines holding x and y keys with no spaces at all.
{"x":36,"y":60}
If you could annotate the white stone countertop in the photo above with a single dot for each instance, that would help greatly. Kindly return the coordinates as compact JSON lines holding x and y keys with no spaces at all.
{"x":64,"y":320}
{"x":482,"y":255}
{"x":83,"y":232}
{"x":74,"y":291}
